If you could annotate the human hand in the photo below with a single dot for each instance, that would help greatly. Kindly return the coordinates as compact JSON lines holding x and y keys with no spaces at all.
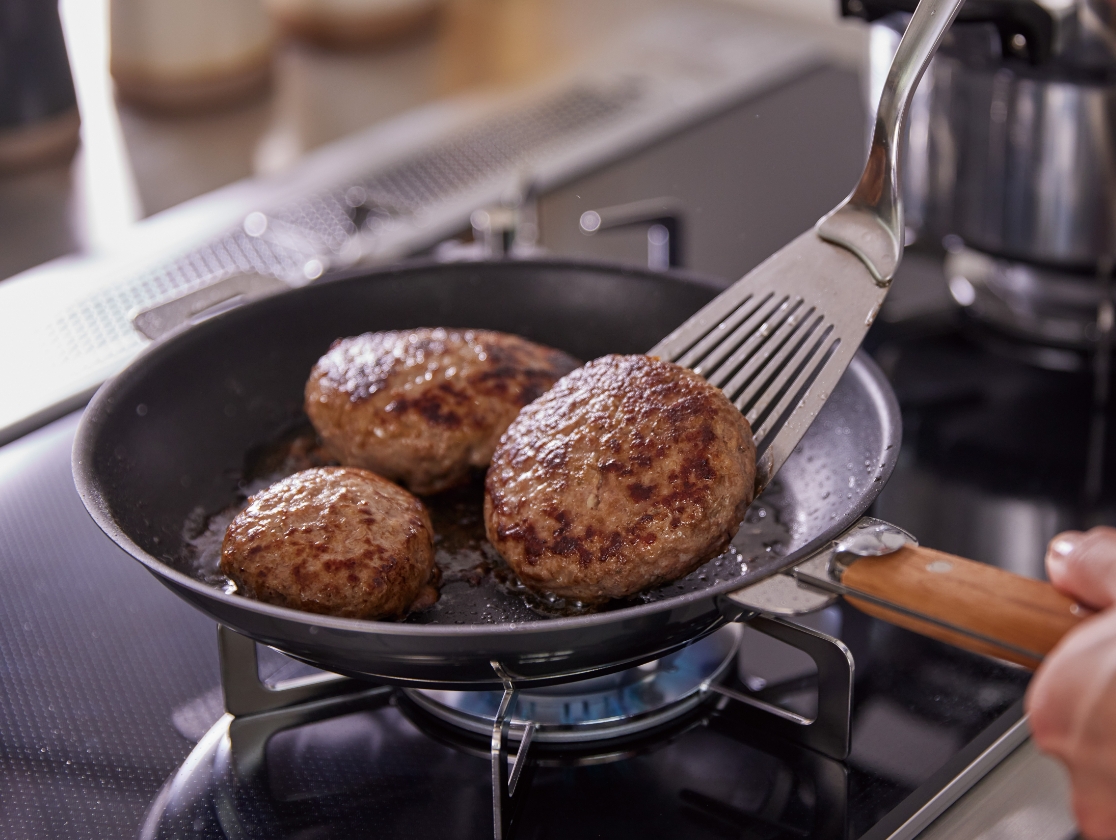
{"x":1072,"y":698}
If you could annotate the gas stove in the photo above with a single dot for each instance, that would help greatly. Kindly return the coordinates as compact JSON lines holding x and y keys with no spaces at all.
{"x":108,"y":678}
{"x":113,"y":694}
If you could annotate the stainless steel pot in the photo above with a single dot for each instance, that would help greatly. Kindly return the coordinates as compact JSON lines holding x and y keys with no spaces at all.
{"x":1012,"y":136}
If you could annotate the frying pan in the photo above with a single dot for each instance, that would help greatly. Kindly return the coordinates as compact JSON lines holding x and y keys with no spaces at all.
{"x":165,"y":441}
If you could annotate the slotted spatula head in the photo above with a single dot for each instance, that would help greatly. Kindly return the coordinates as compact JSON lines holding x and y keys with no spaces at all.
{"x":778,"y":340}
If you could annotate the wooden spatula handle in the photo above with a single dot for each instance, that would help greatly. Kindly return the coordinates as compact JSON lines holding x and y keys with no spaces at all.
{"x":1026,"y":616}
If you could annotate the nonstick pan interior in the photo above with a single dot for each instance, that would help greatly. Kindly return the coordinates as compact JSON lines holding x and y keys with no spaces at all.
{"x":166,"y":442}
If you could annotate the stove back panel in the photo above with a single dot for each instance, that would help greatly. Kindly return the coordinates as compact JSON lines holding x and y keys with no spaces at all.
{"x":747,"y":181}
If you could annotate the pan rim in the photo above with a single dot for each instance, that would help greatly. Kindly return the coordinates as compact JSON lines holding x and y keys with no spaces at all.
{"x":862,"y":366}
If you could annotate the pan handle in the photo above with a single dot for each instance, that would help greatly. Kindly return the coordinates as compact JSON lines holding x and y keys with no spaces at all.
{"x":971,"y":605}
{"x":192,"y":307}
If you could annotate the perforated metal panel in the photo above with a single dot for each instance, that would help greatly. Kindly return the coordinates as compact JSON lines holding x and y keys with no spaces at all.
{"x":476,"y":154}
{"x":323,"y":223}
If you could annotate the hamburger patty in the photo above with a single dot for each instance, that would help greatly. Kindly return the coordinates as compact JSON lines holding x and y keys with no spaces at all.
{"x":629,"y":473}
{"x":427,"y":406}
{"x":332,"y":540}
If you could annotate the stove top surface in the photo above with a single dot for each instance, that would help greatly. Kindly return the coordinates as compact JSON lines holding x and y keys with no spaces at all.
{"x":103,"y":668}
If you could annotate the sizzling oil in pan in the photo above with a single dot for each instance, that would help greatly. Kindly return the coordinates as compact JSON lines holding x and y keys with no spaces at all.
{"x":477,"y":585}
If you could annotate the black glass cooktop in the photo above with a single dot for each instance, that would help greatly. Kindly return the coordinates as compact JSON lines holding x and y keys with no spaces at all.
{"x":1005,"y":443}
{"x":108,"y":680}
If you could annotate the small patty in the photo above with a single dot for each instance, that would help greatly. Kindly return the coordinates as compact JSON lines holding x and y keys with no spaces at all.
{"x":426,"y":407}
{"x":629,"y":473}
{"x":332,"y":540}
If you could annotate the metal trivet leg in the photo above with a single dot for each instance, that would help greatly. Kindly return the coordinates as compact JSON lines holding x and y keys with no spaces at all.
{"x":830,"y":731}
{"x":260,"y":710}
{"x":247,"y":694}
{"x":505,"y":803}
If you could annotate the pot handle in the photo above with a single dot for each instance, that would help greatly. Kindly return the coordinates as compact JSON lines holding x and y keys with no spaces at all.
{"x":971,"y":605}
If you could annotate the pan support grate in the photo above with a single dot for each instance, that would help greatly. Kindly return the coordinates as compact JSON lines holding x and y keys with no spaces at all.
{"x":257,"y":710}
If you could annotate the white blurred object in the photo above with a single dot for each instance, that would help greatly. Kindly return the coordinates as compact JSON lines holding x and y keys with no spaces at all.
{"x":174,"y":55}
{"x":106,"y":198}
{"x":352,"y":23}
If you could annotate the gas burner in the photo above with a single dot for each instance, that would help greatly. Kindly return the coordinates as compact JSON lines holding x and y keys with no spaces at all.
{"x":613,"y":706}
{"x":593,"y":721}
{"x":1040,"y":305}
{"x":370,"y":760}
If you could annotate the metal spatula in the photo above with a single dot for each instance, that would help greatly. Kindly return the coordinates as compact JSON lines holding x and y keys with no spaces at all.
{"x":778,"y":340}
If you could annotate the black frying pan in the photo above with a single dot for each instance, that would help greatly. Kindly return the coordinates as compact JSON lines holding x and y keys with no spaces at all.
{"x":167,"y":438}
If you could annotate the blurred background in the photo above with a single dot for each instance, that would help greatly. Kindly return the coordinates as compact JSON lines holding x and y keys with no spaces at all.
{"x":177,"y":99}
{"x":158,"y":158}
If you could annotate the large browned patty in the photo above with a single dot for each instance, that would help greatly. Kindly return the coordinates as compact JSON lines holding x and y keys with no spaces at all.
{"x":629,"y":473}
{"x":426,"y":407}
{"x":332,"y":540}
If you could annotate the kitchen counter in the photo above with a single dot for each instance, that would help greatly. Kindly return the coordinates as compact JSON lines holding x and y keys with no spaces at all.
{"x":1026,"y":796}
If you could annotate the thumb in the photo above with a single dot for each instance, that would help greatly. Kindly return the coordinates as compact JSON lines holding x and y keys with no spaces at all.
{"x":1083,"y":566}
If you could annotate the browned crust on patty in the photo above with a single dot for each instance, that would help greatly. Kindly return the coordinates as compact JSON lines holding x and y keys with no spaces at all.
{"x":332,"y":540}
{"x":426,"y":407}
{"x":629,"y":473}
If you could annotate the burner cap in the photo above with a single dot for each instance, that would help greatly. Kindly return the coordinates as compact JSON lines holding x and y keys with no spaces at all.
{"x":600,"y":708}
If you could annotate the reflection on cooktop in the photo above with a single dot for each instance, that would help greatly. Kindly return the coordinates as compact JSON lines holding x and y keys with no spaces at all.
{"x":999,"y":454}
